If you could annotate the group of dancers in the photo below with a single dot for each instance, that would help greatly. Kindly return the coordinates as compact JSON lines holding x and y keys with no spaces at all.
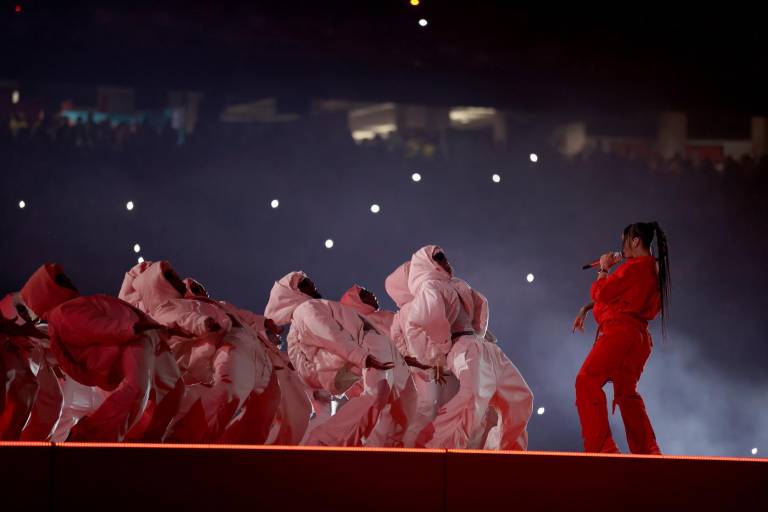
{"x":166,"y":362}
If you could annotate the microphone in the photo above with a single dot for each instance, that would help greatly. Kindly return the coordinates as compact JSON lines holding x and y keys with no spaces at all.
{"x":596,"y":263}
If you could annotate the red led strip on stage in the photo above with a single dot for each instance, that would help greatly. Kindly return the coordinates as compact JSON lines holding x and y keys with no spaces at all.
{"x":612,"y":455}
{"x":361,"y":449}
{"x":24,"y":443}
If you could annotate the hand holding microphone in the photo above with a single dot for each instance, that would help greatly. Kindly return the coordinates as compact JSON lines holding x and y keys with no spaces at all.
{"x":606,"y":261}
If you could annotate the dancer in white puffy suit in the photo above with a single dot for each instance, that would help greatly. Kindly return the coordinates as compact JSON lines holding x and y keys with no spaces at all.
{"x":331,"y":346}
{"x":103,"y":341}
{"x":396,"y":417}
{"x":430,"y":394}
{"x":257,"y":421}
{"x":504,"y":426}
{"x":222,"y":360}
{"x":286,"y":394}
{"x":446,"y":327}
{"x":30,"y":398}
{"x":440,"y":331}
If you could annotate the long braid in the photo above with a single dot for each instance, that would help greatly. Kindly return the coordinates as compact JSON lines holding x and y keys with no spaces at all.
{"x":665,"y":283}
{"x":648,"y":232}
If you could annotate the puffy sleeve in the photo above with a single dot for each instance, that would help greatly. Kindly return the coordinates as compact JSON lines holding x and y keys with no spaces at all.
{"x":93,"y":320}
{"x":614,"y":286}
{"x":327,"y":333}
{"x":190,"y":315}
{"x":427,"y":329}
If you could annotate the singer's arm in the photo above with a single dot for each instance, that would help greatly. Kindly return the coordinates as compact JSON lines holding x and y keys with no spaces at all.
{"x":608,"y":288}
{"x":578,"y":324}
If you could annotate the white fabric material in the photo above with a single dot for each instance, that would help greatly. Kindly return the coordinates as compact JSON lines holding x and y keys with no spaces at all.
{"x":325,"y":345}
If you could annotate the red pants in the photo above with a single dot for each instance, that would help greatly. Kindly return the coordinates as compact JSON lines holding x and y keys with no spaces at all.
{"x":619,"y":355}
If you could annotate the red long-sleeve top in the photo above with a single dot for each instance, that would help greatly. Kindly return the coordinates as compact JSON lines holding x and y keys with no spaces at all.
{"x":630,"y":293}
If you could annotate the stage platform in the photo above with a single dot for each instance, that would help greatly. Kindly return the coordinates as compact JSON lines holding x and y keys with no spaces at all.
{"x":183,"y":478}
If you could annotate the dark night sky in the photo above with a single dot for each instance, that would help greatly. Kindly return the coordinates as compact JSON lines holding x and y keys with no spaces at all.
{"x":501,"y":53}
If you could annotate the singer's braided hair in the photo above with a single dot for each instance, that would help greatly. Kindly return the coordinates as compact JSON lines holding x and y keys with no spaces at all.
{"x":647,"y":232}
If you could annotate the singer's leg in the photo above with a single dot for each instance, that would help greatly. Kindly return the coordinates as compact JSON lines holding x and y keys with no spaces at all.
{"x":601,"y":363}
{"x":640,"y":435}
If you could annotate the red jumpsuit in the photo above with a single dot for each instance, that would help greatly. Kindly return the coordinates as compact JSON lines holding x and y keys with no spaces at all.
{"x":624,"y":303}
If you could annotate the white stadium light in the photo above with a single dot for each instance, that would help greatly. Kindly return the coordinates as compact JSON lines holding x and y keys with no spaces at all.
{"x":416,"y":177}
{"x":423,"y":22}
{"x":22,"y":204}
{"x":534,"y":157}
{"x":129,"y":205}
{"x":141,"y":260}
{"x":375,"y":208}
{"x":329,"y":244}
{"x":540,"y":411}
{"x":530,"y":278}
{"x":275,"y":203}
{"x":496,"y":178}
{"x":137,"y":248}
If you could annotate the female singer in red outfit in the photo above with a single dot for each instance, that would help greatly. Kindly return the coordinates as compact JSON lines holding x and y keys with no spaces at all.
{"x":624,"y":301}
